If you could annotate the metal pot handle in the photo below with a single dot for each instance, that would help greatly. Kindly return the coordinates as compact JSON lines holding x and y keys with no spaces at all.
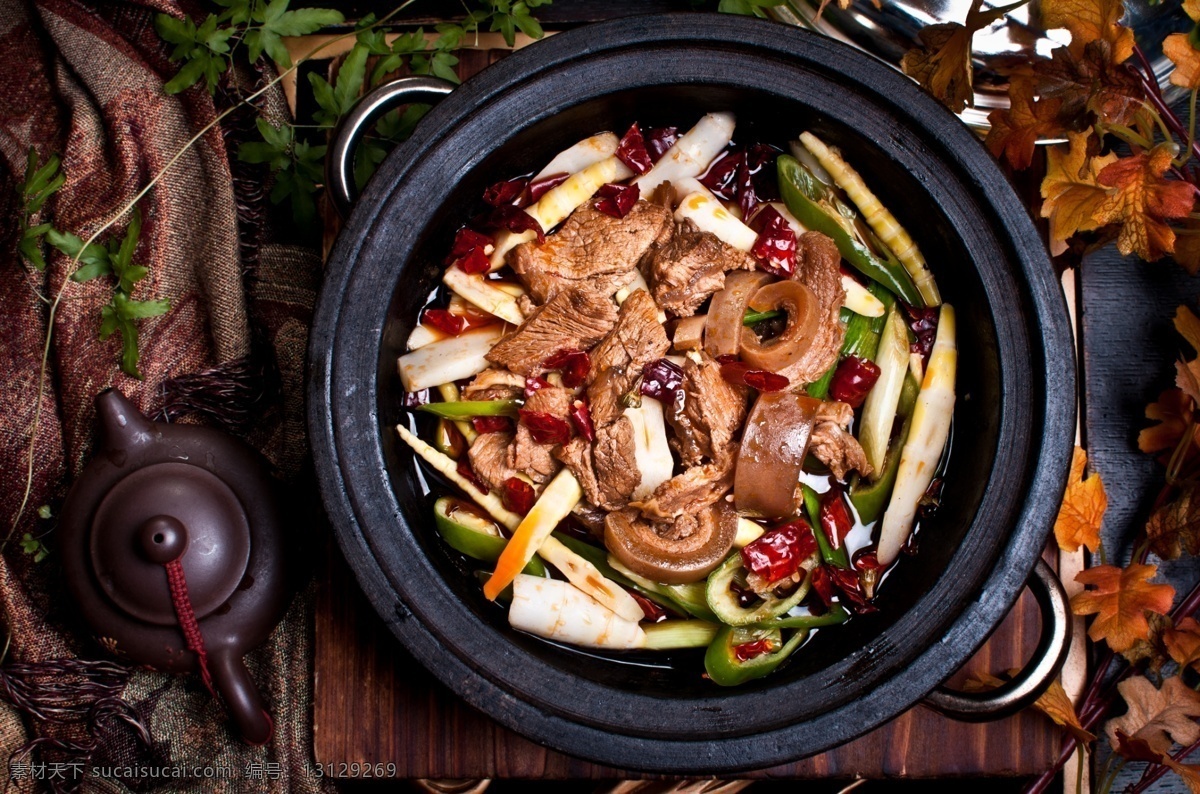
{"x":339,"y":166}
{"x":1031,"y":682}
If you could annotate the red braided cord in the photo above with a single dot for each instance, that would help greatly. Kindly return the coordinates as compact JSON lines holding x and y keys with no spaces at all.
{"x":187,"y":619}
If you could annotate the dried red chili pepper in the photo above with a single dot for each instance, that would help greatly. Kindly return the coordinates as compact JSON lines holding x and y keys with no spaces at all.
{"x":659,"y":140}
{"x":632,"y":151}
{"x":663,"y":380}
{"x":924,"y":322}
{"x":617,"y":200}
{"x":518,"y":495}
{"x":750,"y":650}
{"x":545,"y":428}
{"x":582,"y":418}
{"x":515,"y":220}
{"x":573,"y":364}
{"x":775,"y":247}
{"x":721,"y":176}
{"x":466,"y":241}
{"x":866,"y":562}
{"x":540,"y":187}
{"x":466,"y":472}
{"x":474,"y":262}
{"x":505,"y":192}
{"x":836,"y":522}
{"x":765,"y":381}
{"x":822,"y":585}
{"x":778,"y":553}
{"x":853,"y":379}
{"x":491,"y":424}
{"x":852,"y":594}
{"x":756,"y":181}
{"x":533,"y":384}
{"x":653,"y":612}
{"x":444,"y":321}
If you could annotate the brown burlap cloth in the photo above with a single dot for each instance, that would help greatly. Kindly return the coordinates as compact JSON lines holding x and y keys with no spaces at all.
{"x":87,"y":82}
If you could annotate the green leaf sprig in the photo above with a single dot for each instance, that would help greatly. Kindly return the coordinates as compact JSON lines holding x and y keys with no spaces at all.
{"x":115,"y":259}
{"x":42,"y":180}
{"x":206,"y":50}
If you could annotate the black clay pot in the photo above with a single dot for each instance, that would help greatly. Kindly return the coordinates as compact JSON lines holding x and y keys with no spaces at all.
{"x":1013,"y":424}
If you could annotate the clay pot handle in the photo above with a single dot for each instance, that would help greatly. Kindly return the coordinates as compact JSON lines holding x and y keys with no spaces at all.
{"x":241,"y":697}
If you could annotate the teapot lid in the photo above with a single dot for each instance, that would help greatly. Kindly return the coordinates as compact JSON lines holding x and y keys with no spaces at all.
{"x":159,"y":513}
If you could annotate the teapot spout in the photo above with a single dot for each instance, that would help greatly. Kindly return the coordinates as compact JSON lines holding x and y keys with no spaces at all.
{"x":120,"y":422}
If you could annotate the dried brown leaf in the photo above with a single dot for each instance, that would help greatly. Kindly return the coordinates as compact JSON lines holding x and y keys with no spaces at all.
{"x":1159,"y":717}
{"x":1088,"y":21}
{"x":1175,"y":527}
{"x":1151,"y":650}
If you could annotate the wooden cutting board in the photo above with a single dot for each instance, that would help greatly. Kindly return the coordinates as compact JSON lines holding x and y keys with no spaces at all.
{"x":373,"y":704}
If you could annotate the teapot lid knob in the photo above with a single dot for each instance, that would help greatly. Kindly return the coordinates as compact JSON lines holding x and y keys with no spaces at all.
{"x":163,"y":539}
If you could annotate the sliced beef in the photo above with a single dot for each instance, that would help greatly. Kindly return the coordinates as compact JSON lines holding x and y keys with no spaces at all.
{"x":711,"y":415}
{"x":576,"y":455}
{"x":637,"y":339}
{"x":572,"y":320}
{"x":607,"y":470}
{"x":831,"y":444}
{"x":592,"y":250}
{"x":692,"y":491}
{"x":528,"y":456}
{"x":617,"y":472}
{"x":818,"y":266}
{"x":489,"y":458}
{"x":691,"y":267}
{"x":495,"y":384}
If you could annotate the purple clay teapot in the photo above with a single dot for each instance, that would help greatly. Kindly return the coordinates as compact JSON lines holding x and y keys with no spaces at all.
{"x":172,"y":546}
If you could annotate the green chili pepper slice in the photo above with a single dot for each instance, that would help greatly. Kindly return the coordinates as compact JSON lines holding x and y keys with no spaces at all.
{"x":804,"y":194}
{"x":725,"y":669}
{"x":464,"y":530}
{"x":837,"y":614}
{"x":812,"y":506}
{"x":724,"y":602}
{"x":465,"y":409}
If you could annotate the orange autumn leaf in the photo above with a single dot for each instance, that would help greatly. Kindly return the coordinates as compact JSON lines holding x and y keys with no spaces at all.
{"x":1082,"y":510}
{"x":1178,"y":47}
{"x":1187,"y":378}
{"x":1172,"y":412}
{"x":942,"y":64}
{"x":1192,"y":9}
{"x":1057,"y":705}
{"x":1183,"y":642}
{"x":1015,"y":131}
{"x":1151,"y":651}
{"x":1188,"y":773}
{"x":1187,"y":245}
{"x":1188,"y":326}
{"x":1088,"y":21}
{"x":1141,"y":200}
{"x":1157,"y":717}
{"x":1120,"y":601}
{"x":1073,"y":199}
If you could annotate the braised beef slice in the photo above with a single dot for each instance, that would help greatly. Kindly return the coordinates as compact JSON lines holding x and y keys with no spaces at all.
{"x":616,"y":466}
{"x":572,"y":320}
{"x":818,"y":266}
{"x":637,"y":339}
{"x":489,"y":458}
{"x":690,"y":492}
{"x":525,"y":454}
{"x":689,"y":268}
{"x":592,"y":251}
{"x":607,"y":470}
{"x":711,"y":414}
{"x":576,"y":455}
{"x":831,"y":444}
{"x":495,"y":384}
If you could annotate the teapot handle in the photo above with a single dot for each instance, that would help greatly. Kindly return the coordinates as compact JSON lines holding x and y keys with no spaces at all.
{"x":241,"y":697}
